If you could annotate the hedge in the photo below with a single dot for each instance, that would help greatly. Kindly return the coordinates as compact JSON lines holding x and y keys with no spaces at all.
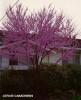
{"x":56,"y":81}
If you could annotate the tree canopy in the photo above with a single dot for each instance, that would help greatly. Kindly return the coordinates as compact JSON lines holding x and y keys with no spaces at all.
{"x":37,"y":34}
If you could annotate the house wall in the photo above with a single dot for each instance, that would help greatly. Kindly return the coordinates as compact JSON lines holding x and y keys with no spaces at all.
{"x":71,"y":60}
{"x":46,"y":59}
{"x":4,"y":63}
{"x":76,"y":59}
{"x":52,"y":58}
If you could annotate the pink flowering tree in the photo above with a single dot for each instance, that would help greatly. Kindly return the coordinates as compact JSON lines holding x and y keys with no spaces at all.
{"x":36,"y":35}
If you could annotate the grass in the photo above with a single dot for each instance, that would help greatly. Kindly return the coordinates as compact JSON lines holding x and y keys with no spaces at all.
{"x":77,"y":98}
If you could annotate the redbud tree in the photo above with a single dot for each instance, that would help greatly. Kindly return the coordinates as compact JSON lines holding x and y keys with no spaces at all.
{"x":36,"y":35}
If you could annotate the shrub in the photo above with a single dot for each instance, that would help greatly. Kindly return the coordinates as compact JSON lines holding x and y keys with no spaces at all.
{"x":15,"y":82}
{"x":65,"y":78}
{"x":55,"y":80}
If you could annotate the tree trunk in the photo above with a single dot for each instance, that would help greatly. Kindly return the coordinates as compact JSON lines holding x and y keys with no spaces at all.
{"x":37,"y":81}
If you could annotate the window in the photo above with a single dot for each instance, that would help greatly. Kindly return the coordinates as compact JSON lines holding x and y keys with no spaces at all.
{"x":24,"y":61}
{"x":20,"y":61}
{"x":74,"y":60}
{"x":13,"y":61}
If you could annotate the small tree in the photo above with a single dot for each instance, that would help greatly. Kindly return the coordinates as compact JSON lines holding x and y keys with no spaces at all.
{"x":36,"y":35}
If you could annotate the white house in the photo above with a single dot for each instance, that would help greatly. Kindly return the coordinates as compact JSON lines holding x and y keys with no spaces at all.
{"x":20,"y":63}
{"x":51,"y":58}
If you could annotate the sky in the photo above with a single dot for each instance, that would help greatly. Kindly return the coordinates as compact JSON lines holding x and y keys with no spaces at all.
{"x":71,"y":8}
